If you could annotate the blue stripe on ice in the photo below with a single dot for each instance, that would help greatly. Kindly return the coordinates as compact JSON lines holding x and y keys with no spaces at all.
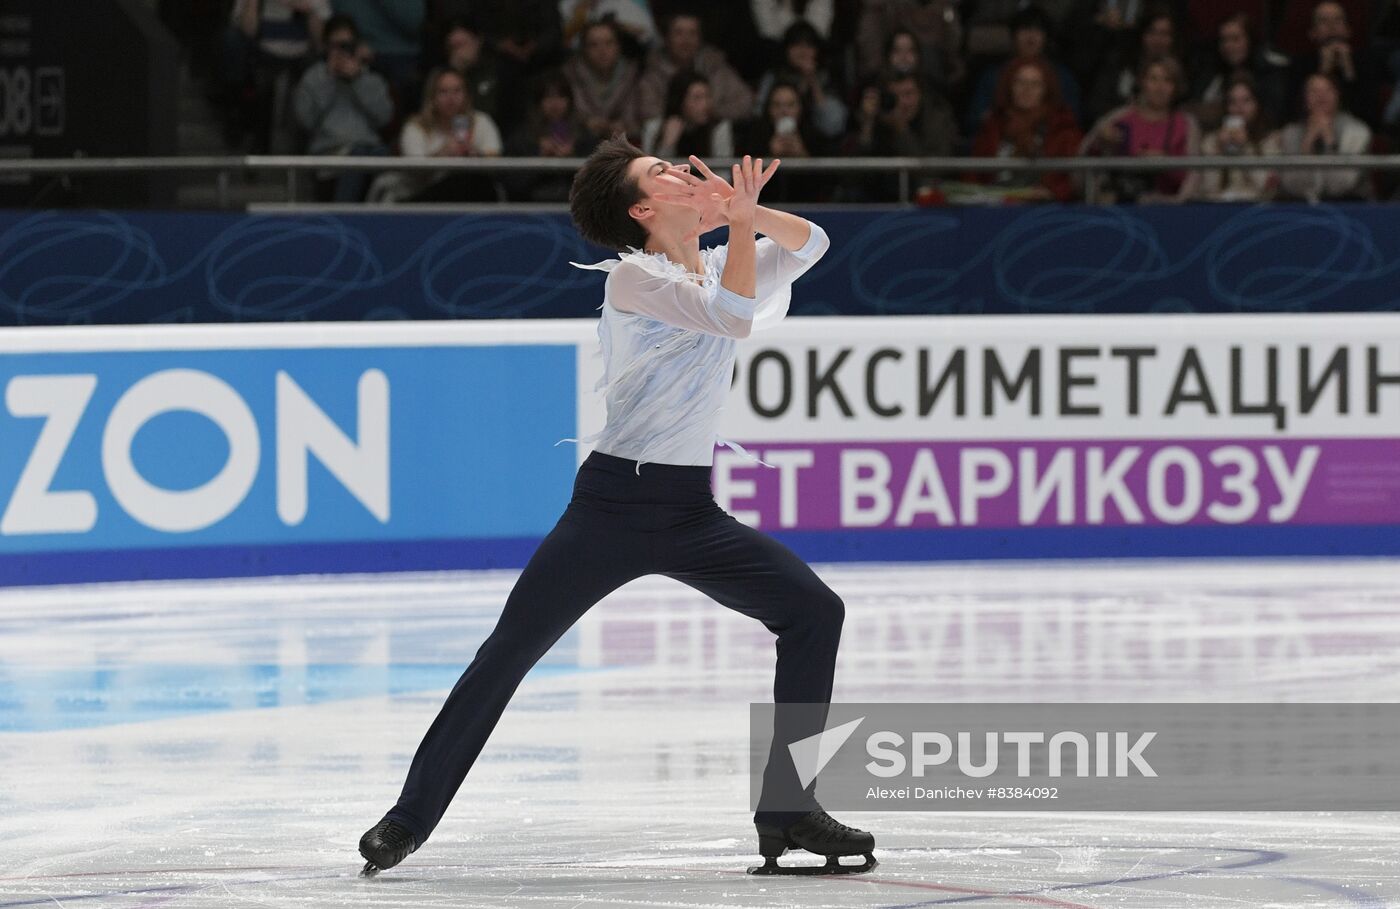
{"x":43,"y":700}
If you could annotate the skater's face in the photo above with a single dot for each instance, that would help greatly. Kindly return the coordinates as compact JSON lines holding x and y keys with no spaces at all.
{"x":653,"y":175}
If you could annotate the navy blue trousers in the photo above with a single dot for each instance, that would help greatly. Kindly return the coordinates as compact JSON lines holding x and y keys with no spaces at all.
{"x":620,"y":526}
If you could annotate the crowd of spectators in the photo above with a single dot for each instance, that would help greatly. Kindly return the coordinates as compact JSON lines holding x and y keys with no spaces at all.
{"x":804,"y":78}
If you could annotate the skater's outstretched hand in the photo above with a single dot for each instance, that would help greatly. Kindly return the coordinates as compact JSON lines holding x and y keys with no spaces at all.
{"x":749,"y":180}
{"x":708,"y":194}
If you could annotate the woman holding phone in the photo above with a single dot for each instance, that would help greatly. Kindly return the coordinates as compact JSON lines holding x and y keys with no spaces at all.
{"x":1245,"y":130}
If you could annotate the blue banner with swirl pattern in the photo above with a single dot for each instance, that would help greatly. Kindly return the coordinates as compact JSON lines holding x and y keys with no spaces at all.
{"x":62,"y":267}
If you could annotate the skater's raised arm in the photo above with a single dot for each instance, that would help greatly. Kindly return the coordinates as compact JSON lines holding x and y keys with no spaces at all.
{"x":738,"y":276}
{"x":777,"y":263}
{"x":727,"y":310}
{"x":789,"y":231}
{"x":741,"y":276}
{"x":791,"y":244}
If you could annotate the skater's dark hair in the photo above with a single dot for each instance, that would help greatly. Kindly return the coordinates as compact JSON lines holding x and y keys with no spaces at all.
{"x":602,"y":194}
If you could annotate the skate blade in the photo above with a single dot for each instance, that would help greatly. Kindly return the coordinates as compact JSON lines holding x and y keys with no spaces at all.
{"x":833,"y":866}
{"x":370,"y":870}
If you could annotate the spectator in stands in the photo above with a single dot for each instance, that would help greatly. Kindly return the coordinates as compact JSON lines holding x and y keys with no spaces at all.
{"x":904,"y":55}
{"x":785,"y":130}
{"x":901,"y":116}
{"x":987,"y":23}
{"x":528,"y":36}
{"x":987,"y":26}
{"x":691,"y":125}
{"x":1385,"y":44}
{"x":684,"y":48}
{"x":936,"y":29}
{"x":1244,"y":130}
{"x":341,"y":105}
{"x":775,"y":18}
{"x":522,"y":38}
{"x":990,"y":27}
{"x":449,"y":123}
{"x":728,"y":25}
{"x":466,"y":51}
{"x":1029,"y":119}
{"x":898,"y":116}
{"x":393,"y":30}
{"x":267,"y":47}
{"x":1236,"y":55}
{"x":636,"y":26}
{"x":1149,"y":127}
{"x":552,"y":129}
{"x":1099,"y":31}
{"x":1332,"y":55}
{"x":803,"y":68}
{"x":1114,"y":84}
{"x":1390,"y":118}
{"x":604,"y":83}
{"x":1030,"y":39}
{"x":1203,"y":18}
{"x":1326,"y":129}
{"x":446,"y":126}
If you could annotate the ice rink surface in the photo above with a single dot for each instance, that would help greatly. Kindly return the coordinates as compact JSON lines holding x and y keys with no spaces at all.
{"x":225,"y":743}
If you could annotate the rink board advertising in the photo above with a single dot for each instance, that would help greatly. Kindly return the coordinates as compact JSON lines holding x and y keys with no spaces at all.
{"x":180,"y":451}
{"x":1083,"y":757}
{"x":264,"y":450}
{"x":1070,"y":436}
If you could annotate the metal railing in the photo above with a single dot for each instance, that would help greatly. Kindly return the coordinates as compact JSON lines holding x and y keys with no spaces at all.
{"x":906,"y":168}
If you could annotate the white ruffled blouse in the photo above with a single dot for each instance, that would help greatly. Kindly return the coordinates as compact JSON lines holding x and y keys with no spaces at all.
{"x":668,"y":344}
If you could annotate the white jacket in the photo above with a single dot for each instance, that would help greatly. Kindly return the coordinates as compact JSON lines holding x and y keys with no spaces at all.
{"x":669,"y":341}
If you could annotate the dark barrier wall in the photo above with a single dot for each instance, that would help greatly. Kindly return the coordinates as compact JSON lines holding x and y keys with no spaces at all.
{"x":111,"y":268}
{"x":86,"y":77}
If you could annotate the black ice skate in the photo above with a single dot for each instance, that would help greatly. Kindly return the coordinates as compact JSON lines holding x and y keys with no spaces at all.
{"x":815,"y":832}
{"x":385,"y":845}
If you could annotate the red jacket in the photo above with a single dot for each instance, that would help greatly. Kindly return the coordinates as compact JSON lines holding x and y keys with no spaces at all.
{"x":1060,"y":139}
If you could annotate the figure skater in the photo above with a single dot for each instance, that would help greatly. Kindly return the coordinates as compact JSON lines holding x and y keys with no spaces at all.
{"x":671,"y":316}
